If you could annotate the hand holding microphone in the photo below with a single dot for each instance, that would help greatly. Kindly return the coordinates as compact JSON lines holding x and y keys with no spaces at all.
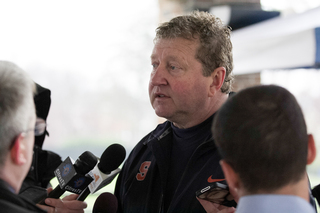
{"x":66,"y":204}
{"x":104,"y":172}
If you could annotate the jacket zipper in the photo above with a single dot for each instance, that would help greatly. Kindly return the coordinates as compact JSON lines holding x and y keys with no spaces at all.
{"x":161,"y":204}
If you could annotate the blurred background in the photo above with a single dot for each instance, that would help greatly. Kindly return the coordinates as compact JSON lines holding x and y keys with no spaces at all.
{"x":94,"y":56}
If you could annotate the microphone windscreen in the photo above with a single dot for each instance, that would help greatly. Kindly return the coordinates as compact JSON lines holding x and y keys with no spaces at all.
{"x":105,"y":203}
{"x":85,"y":162}
{"x":111,"y":158}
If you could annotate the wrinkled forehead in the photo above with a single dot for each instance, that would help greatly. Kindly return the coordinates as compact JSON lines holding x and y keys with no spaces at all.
{"x":176,"y":44}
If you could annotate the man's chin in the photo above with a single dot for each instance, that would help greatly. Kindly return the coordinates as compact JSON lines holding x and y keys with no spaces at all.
{"x":162,"y":114}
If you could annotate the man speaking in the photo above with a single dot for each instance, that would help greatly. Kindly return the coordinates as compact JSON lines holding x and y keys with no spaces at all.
{"x":190,"y":79}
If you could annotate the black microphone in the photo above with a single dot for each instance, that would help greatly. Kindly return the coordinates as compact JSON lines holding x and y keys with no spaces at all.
{"x":72,"y":177}
{"x":105,"y":203}
{"x":106,"y":169}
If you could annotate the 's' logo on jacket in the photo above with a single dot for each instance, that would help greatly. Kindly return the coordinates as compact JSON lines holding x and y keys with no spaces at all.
{"x":143,"y":170}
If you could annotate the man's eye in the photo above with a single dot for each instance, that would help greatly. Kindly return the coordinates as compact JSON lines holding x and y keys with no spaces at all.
{"x":172,"y":67}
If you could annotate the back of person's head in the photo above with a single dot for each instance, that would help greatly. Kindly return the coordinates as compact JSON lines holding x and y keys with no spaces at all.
{"x":215,"y":48}
{"x":261,"y":133}
{"x":16,"y":103}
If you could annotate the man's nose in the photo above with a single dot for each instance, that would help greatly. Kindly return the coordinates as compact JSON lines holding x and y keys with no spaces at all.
{"x":159,"y":76}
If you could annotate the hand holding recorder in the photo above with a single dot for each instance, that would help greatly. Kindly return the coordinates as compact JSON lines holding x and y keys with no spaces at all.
{"x":216,"y":198}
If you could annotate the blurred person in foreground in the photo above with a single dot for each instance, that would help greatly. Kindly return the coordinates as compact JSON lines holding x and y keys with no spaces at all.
{"x":18,"y":126}
{"x":190,"y":79}
{"x":265,"y":157}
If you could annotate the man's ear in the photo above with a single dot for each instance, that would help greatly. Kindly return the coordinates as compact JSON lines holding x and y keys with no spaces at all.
{"x":18,"y":151}
{"x":217,"y":77}
{"x":231,"y":176}
{"x":312,"y":151}
{"x":232,"y":179}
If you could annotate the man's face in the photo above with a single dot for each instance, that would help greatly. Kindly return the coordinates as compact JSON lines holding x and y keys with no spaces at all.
{"x":29,"y":140}
{"x":178,"y":90}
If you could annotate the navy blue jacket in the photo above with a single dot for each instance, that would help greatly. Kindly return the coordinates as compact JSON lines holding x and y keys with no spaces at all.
{"x":142,"y":181}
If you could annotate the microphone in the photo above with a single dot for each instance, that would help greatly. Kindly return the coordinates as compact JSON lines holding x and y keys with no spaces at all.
{"x":106,"y":170}
{"x":105,"y":203}
{"x":72,"y":177}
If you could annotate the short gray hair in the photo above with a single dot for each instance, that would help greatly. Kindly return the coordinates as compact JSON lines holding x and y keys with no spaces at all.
{"x":16,"y":103}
